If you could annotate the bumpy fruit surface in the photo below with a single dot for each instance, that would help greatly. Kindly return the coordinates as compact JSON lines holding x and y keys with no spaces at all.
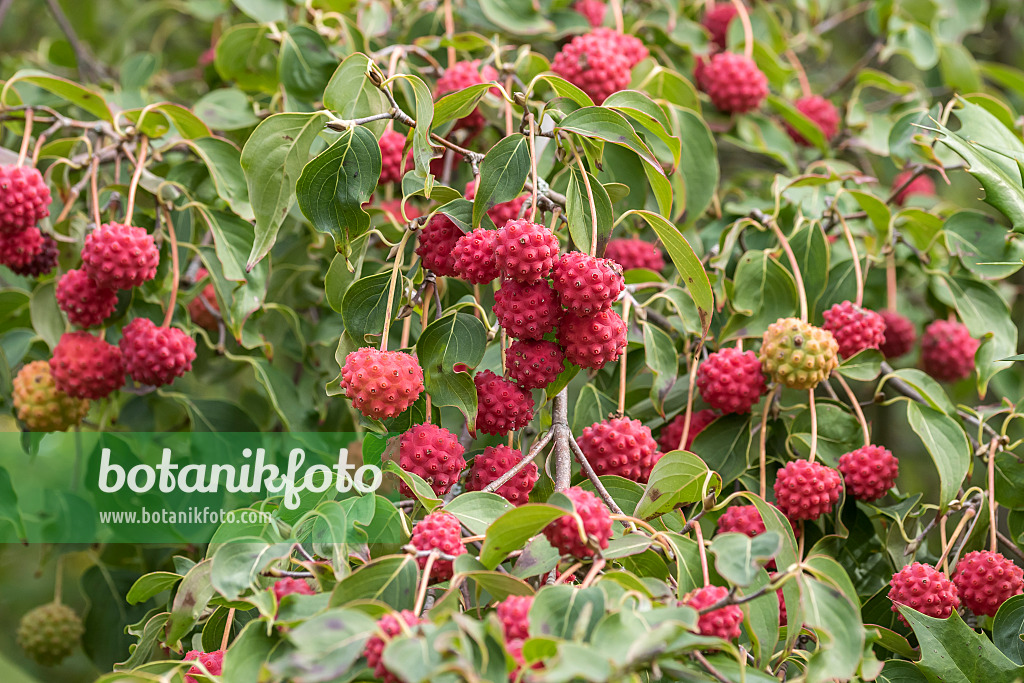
{"x":525,"y":251}
{"x":899,"y":336}
{"x":633,"y":252}
{"x":534,"y":363}
{"x":381,"y":384}
{"x":40,"y":405}
{"x":18,"y":250}
{"x":723,"y":622}
{"x":594,"y":64}
{"x":502,"y":212}
{"x":629,"y":45}
{"x":213,"y":662}
{"x":84,"y":303}
{"x":984,"y":580}
{"x":797,"y":354}
{"x":620,"y":446}
{"x":741,"y":519}
{"x":921,"y":185}
{"x":807,"y":490}
{"x":514,"y":614}
{"x":526,"y":311}
{"x":593,"y":10}
{"x":24,"y":198}
{"x":717,"y":19}
{"x":290,"y":586}
{"x":460,"y":76}
{"x":204,"y":309}
{"x":474,"y":256}
{"x":592,"y":342}
{"x":869,"y":472}
{"x":564,"y":533}
{"x":925,"y":589}
{"x":947,"y":351}
{"x":438,"y":531}
{"x":820,"y":111}
{"x":433,"y":453}
{"x":854,"y":328}
{"x":153,"y":355}
{"x":388,"y":627}
{"x":119,"y":256}
{"x":501,"y":405}
{"x":437,"y":240}
{"x":84,"y":366}
{"x":731,"y":380}
{"x":50,"y":633}
{"x":496,"y":461}
{"x":391,"y":167}
{"x":734,"y":83}
{"x":42,"y":263}
{"x":672,"y":433}
{"x":585,"y":284}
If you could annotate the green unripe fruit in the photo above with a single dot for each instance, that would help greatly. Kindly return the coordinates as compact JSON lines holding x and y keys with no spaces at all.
{"x":798,"y":354}
{"x":50,"y":633}
{"x":40,"y":405}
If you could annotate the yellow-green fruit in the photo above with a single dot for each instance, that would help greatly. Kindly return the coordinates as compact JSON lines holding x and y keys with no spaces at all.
{"x":40,"y":405}
{"x":50,"y":633}
{"x":798,"y":354}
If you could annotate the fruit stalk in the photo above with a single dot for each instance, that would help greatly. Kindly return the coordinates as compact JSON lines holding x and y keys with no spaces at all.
{"x":23,"y":152}
{"x":993,"y":541}
{"x":763,"y":450}
{"x":175,"y":275}
{"x":136,"y":176}
{"x":563,"y":457}
{"x":391,"y":290}
{"x":748,"y":31}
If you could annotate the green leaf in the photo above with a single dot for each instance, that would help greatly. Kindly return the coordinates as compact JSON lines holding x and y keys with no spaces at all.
{"x":739,"y":558}
{"x":930,"y":390}
{"x":237,"y":564}
{"x":226,"y":109}
{"x":351,"y":95}
{"x":662,"y":359}
{"x":954,"y":653}
{"x":190,"y":600}
{"x":447,"y":350}
{"x":364,"y":306}
{"x":763,"y":291}
{"x":459,"y":104}
{"x":566,"y":612}
{"x":678,"y":478}
{"x":984,"y":312}
{"x":150,"y":585}
{"x":422,"y":151}
{"x":417,"y":484}
{"x":306,"y":63}
{"x":642,"y":111}
{"x":477,"y":510}
{"x":898,"y":671}
{"x":273,"y":159}
{"x":246,"y":55}
{"x":863,"y":366}
{"x":224,"y":162}
{"x":334,"y":186}
{"x":517,"y":17}
{"x":577,"y":211}
{"x":69,"y":91}
{"x":946,"y":444}
{"x":592,"y":406}
{"x":837,"y":623}
{"x":514,"y":528}
{"x":983,"y":246}
{"x":503,"y":173}
{"x":263,"y":11}
{"x":807,"y":128}
{"x":1008,"y":628}
{"x":391,"y":580}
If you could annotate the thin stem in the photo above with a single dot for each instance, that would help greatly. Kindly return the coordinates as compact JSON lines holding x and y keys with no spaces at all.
{"x":58,"y":580}
{"x":588,"y":469}
{"x":942,"y":542}
{"x":422,"y":595}
{"x":535,"y":450}
{"x":622,"y":362}
{"x":890,"y":280}
{"x":762,"y":450}
{"x":814,"y":426}
{"x":857,"y":273}
{"x":703,"y":553}
{"x":533,"y":165}
{"x":992,"y":518}
{"x":703,"y":661}
{"x":449,"y":31}
{"x":748,"y":31}
{"x":1010,"y":545}
{"x":856,"y":69}
{"x":805,"y":86}
{"x":26,"y":137}
{"x":969,"y":514}
{"x":617,"y":15}
{"x":856,"y":408}
{"x":175,"y":275}
{"x":595,"y":569}
{"x":226,"y":638}
{"x":424,"y":321}
{"x":763,"y":219}
{"x":391,"y":289}
{"x":685,"y":436}
{"x":590,"y":198}
{"x":94,"y":193}
{"x":563,"y":456}
{"x":143,"y":150}
{"x":568,"y":572}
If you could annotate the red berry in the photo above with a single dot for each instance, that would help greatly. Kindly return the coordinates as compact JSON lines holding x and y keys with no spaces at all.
{"x":514,"y":614}
{"x":634,"y":252}
{"x":391,"y":168}
{"x":19,"y":250}
{"x":723,"y":622}
{"x":921,"y":185}
{"x":460,"y":76}
{"x":869,"y":472}
{"x":594,"y":64}
{"x":381,"y":384}
{"x":783,"y":615}
{"x":947,"y":351}
{"x":85,"y":304}
{"x":820,"y":111}
{"x":534,"y":364}
{"x":437,"y":240}
{"x":496,"y":461}
{"x":388,"y":627}
{"x":734,"y":83}
{"x":525,"y":251}
{"x":592,"y":10}
{"x":526,"y":311}
{"x":501,"y":405}
{"x":84,"y":366}
{"x":925,"y":589}
{"x":119,"y":256}
{"x":290,"y":586}
{"x":24,"y":198}
{"x":899,"y":336}
{"x":213,"y":662}
{"x":592,"y":342}
{"x":42,"y":263}
{"x":620,"y":446}
{"x":806,"y":490}
{"x":432,"y":453}
{"x":854,"y":328}
{"x":716,"y":21}
{"x":586,"y":284}
{"x":438,"y":531}
{"x":672,"y":433}
{"x":204,"y":309}
{"x":731,"y":380}
{"x":741,"y":519}
{"x":474,"y":256}
{"x":564,"y":533}
{"x":500,"y":213}
{"x":985,"y":580}
{"x":156,"y":355}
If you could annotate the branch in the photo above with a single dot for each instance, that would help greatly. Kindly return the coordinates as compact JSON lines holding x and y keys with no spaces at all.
{"x":88,"y":66}
{"x":563,"y":457}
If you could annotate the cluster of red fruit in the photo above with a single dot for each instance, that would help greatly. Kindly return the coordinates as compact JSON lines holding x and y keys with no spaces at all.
{"x":24,"y":201}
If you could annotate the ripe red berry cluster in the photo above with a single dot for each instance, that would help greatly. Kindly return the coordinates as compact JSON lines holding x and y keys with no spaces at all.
{"x":731,"y":380}
{"x":564,"y":533}
{"x":672,"y":433}
{"x":381,"y":384}
{"x":388,"y":627}
{"x":439,"y":531}
{"x":854,"y":328}
{"x":599,"y":62}
{"x":432,"y":453}
{"x":925,"y":589}
{"x":723,"y":622}
{"x":494,"y":463}
{"x":633,"y":252}
{"x":24,"y":201}
{"x":620,"y":446}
